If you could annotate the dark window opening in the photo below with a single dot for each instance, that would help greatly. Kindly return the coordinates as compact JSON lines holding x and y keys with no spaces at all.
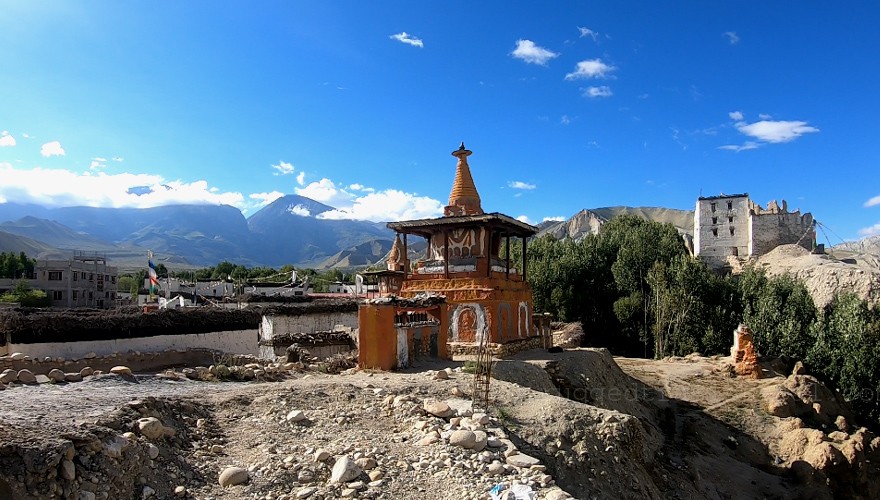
{"x":731,"y":231}
{"x":57,"y":295}
{"x":730,"y":219}
{"x":713,"y":206}
{"x":730,"y":205}
{"x":714,"y":232}
{"x":734,"y":251}
{"x":54,"y":275}
{"x":714,"y":220}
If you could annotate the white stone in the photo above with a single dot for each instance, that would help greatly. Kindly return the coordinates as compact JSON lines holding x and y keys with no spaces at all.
{"x":147,"y":492}
{"x":344,"y":470}
{"x":232,"y":476}
{"x":16,"y":356}
{"x":321,"y":455}
{"x":306,"y":492}
{"x":121,"y":370}
{"x":180,"y":491}
{"x":42,"y":379}
{"x":56,"y":375}
{"x":152,"y":451}
{"x":437,"y":408}
{"x":295,"y":416}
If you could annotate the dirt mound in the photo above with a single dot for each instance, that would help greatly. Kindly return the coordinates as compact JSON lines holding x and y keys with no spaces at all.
{"x":823,"y":275}
{"x":567,"y":335}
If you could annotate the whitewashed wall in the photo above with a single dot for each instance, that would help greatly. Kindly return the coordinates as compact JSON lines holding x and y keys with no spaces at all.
{"x":232,"y":342}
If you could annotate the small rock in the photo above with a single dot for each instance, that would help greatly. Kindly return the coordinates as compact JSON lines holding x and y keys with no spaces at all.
{"x":86,"y":495}
{"x":68,"y":471}
{"x":26,"y":377}
{"x":306,"y":492}
{"x":147,"y":492}
{"x":86,"y":371}
{"x":73,"y":377}
{"x":344,"y":470}
{"x":457,"y":392}
{"x":556,"y":494}
{"x":217,"y":449}
{"x":17,"y":356}
{"x":232,"y":476}
{"x":496,"y":468}
{"x":296,"y":416}
{"x":42,"y":379}
{"x":120,"y":370}
{"x":366,"y":463}
{"x":522,"y":460}
{"x":441,"y":375}
{"x":179,"y":491}
{"x":152,"y":451}
{"x":799,"y":369}
{"x":376,"y":475}
{"x":90,"y":355}
{"x":321,"y":455}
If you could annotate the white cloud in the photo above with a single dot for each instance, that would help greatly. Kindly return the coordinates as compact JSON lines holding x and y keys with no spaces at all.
{"x":118,"y":159}
{"x":60,"y":187}
{"x":527,"y":51}
{"x":520,"y":185}
{"x":732,"y":37}
{"x":52,"y":148}
{"x":555,"y":218}
{"x":283,"y":168}
{"x":406,"y":38}
{"x":591,"y":68}
{"x":744,"y":147}
{"x":776,"y":131}
{"x":6,"y":140}
{"x":873,"y":202}
{"x":98,"y":163}
{"x":27,"y":136}
{"x":565,"y":120}
{"x":525,"y":218}
{"x":361,"y":187}
{"x":870,"y":231}
{"x":593,"y":92}
{"x":390,"y":204}
{"x":299,"y":210}
{"x":736,"y":115}
{"x":264,"y":199}
{"x":588,"y":32}
{"x":326,"y":192}
{"x":301,"y":178}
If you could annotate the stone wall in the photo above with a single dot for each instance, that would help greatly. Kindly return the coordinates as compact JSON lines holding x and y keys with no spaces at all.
{"x":769,"y":230}
{"x":464,"y":349}
{"x":233,"y":342}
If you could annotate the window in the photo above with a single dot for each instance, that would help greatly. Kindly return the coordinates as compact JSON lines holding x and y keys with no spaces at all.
{"x":714,"y":220}
{"x":713,"y":206}
{"x":91,"y":276}
{"x":83,"y":276}
{"x":714,"y":231}
{"x":90,"y":295}
{"x":75,"y":276}
{"x":732,"y":231}
{"x":57,"y":295}
{"x":730,"y":205}
{"x":106,"y":295}
{"x":113,"y":279}
{"x":730,"y":218}
{"x":54,"y":275}
{"x":75,"y":293}
{"x":734,"y":251}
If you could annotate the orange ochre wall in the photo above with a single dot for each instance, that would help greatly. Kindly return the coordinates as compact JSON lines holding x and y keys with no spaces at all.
{"x":377,"y":337}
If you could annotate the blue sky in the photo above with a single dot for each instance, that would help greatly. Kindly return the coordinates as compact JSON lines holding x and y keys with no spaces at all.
{"x":566,"y":105}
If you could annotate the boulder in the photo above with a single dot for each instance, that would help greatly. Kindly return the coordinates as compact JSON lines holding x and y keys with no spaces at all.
{"x":73,"y":377}
{"x":56,"y":375}
{"x":463,"y":438}
{"x":522,"y":460}
{"x":86,"y":371}
{"x":779,"y":401}
{"x":26,"y":377}
{"x":123,"y":371}
{"x":8,"y":376}
{"x":151,"y":428}
{"x":437,"y":408}
{"x":296,"y":416}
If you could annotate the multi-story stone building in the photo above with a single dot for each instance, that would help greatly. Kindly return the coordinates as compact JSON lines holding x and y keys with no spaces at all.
{"x":80,"y":281}
{"x":728,"y":226}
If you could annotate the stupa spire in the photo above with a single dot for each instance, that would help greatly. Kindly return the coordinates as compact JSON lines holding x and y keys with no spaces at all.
{"x":464,"y":199}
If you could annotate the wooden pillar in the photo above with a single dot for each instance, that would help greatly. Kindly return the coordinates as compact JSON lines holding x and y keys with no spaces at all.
{"x":446,"y":253}
{"x":405,"y":259}
{"x":507,"y":256}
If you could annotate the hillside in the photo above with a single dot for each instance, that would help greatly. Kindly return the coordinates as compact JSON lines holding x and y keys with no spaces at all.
{"x":590,"y":221}
{"x":824,"y":275}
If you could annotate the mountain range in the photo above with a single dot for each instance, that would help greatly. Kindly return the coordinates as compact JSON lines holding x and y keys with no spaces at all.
{"x":286,"y":231}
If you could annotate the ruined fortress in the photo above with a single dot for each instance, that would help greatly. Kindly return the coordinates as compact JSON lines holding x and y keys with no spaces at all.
{"x":734,"y":227}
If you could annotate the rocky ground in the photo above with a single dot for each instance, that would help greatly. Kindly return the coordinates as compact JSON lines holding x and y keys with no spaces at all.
{"x":560,"y":424}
